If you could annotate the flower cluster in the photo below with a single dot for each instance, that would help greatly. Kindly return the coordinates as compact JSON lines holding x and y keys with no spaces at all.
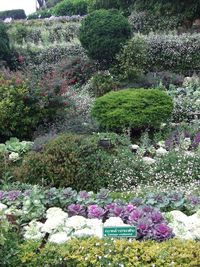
{"x":149,"y":222}
{"x":185,"y":227}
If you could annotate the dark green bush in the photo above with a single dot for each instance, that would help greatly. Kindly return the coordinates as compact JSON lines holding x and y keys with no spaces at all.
{"x":111,"y":4}
{"x":14,"y":14}
{"x":102,"y":34}
{"x":70,"y":7}
{"x":72,"y":160}
{"x":138,"y":109}
{"x":40,"y":14}
{"x":4,"y":43}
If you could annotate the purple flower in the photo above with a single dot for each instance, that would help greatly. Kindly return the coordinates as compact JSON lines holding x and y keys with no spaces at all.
{"x":13,"y":195}
{"x":76,"y":209}
{"x":2,"y":194}
{"x":194,"y":200}
{"x":144,"y":228}
{"x":147,"y":209}
{"x":103,"y":194}
{"x":94,"y":211}
{"x":157,"y":217}
{"x":135,"y":216}
{"x":137,"y":201}
{"x":162,"y":232}
{"x":84,"y":195}
{"x":115,"y":210}
{"x":196,"y":140}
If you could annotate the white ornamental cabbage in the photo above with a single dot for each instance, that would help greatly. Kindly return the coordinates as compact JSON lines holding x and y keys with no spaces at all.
{"x":33,"y":231}
{"x":3,"y":206}
{"x":59,"y":238}
{"x":185,"y":227}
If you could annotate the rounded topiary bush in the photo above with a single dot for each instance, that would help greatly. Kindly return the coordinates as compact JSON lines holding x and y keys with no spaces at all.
{"x":138,"y":109}
{"x":70,"y":8}
{"x":75,"y":161}
{"x":102,"y":34}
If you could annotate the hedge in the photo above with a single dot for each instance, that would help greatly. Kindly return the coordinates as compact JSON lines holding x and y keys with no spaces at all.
{"x":114,"y":253}
{"x":177,"y":53}
{"x":14,"y":14}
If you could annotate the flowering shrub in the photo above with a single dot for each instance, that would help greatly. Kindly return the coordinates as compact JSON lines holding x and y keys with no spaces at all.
{"x":109,"y":252}
{"x":149,"y":222}
{"x":167,"y":52}
{"x":186,"y":99}
{"x":24,"y":105}
{"x":185,"y":227}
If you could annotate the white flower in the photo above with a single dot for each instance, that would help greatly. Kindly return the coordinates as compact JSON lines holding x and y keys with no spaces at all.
{"x":134,"y":147}
{"x":14,"y":156}
{"x":149,"y":160}
{"x":53,"y":224}
{"x":56,"y":212}
{"x":161,"y":143}
{"x":161,"y":152}
{"x":33,"y":231}
{"x":114,"y":221}
{"x":83,"y":232}
{"x":59,"y":238}
{"x":76,"y":222}
{"x":2,"y":206}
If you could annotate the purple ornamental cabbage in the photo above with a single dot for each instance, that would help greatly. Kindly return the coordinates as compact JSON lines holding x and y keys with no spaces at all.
{"x":76,"y":209}
{"x":115,"y":210}
{"x":162,"y":232}
{"x":13,"y":195}
{"x":94,"y":211}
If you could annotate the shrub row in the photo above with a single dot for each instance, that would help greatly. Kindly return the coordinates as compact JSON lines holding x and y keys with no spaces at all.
{"x":71,"y":7}
{"x":156,"y":52}
{"x":95,"y":252}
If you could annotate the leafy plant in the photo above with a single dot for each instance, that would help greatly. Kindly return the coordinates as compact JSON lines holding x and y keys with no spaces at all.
{"x":102,"y":34}
{"x":138,"y":109}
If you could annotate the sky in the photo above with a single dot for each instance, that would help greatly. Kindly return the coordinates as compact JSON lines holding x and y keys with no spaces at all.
{"x":29,"y":6}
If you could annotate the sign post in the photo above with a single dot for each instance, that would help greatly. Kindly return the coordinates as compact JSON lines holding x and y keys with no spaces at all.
{"x":120,"y":231}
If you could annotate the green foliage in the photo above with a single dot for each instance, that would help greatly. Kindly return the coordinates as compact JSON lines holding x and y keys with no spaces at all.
{"x":146,"y":22}
{"x":14,"y":14}
{"x":138,"y":109}
{"x":96,"y":252}
{"x":23,"y":108}
{"x":131,"y":62}
{"x":72,"y":160}
{"x":102,"y":83}
{"x":110,"y":4}
{"x":40,"y":14}
{"x":102,"y":34}
{"x":190,"y":8}
{"x":162,"y":52}
{"x":52,"y":3}
{"x":4,"y":43}
{"x":9,"y":242}
{"x":70,"y":7}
